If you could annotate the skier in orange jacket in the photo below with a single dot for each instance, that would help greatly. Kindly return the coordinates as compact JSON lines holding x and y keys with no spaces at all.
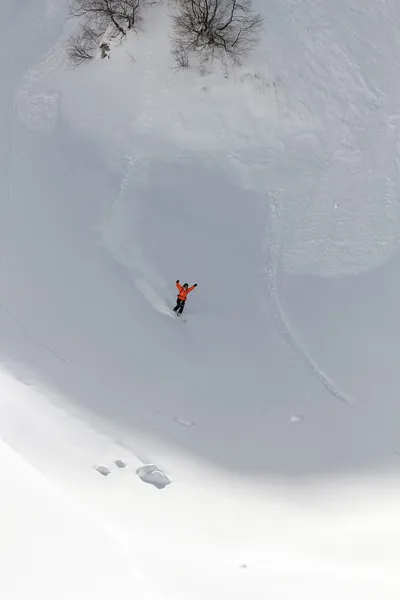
{"x":184,"y":290}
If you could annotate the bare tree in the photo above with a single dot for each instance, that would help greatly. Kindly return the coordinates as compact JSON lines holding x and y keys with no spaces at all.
{"x":101,"y":17}
{"x":214,"y":28}
{"x":119,"y":15}
{"x":129,"y":12}
{"x":82,"y":46}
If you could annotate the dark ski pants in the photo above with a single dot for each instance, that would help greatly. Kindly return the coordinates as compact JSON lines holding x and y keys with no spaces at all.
{"x":180,"y":305}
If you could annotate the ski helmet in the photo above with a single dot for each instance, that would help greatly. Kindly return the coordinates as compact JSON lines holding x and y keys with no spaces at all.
{"x":185,"y":285}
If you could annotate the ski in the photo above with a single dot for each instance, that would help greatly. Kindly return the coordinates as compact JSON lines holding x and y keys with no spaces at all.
{"x":176,"y":316}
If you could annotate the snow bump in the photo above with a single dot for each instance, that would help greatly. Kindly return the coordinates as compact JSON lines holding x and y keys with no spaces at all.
{"x":153,"y":475}
{"x":102,"y":470}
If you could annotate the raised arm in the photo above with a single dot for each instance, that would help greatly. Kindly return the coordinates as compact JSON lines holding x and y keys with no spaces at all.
{"x":178,"y":285}
{"x":191,"y":288}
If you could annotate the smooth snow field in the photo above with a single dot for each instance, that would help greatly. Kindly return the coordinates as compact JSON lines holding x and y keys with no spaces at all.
{"x":253,"y":451}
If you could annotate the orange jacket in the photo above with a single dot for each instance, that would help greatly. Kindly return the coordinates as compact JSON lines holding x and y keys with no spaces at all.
{"x":183,"y":292}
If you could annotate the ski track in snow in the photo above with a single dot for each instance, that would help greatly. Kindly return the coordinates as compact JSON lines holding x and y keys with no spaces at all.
{"x":273,"y":270}
{"x":145,"y":277}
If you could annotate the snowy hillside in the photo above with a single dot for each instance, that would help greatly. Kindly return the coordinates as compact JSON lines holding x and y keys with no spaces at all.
{"x":253,"y":451}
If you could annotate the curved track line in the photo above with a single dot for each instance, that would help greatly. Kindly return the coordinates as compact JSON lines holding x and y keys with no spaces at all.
{"x":273,"y":271}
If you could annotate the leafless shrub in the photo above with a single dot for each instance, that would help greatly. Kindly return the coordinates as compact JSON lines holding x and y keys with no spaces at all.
{"x":82,"y":46}
{"x":213,"y":29}
{"x":180,"y":54}
{"x":101,"y":18}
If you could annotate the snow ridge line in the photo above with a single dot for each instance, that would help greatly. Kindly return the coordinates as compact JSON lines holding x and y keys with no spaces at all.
{"x":29,"y":333}
{"x":272,"y":270}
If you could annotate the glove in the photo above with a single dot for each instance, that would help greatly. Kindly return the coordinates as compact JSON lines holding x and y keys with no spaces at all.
{"x":177,"y":281}
{"x":195,"y":285}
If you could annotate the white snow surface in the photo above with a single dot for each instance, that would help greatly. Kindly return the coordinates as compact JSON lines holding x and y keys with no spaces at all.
{"x":273,"y":412}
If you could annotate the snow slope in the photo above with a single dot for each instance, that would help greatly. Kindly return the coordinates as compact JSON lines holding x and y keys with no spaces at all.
{"x":273,"y":411}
